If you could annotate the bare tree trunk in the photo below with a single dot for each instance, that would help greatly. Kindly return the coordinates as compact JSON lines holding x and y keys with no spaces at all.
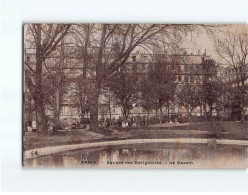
{"x":94,"y":109}
{"x":125,"y":112}
{"x":242,"y":111}
{"x":41,"y":119}
{"x":29,"y":108}
{"x":211,"y":110}
{"x":205,"y":109}
{"x":81,"y":107}
{"x":148,"y":118}
{"x":168,"y":111}
{"x":201,"y":109}
{"x":161,"y":112}
{"x":56,"y":109}
{"x":187,"y":108}
{"x":110,"y":117}
{"x":56,"y":115}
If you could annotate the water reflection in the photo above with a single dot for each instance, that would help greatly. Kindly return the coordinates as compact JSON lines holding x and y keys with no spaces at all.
{"x":148,"y":155}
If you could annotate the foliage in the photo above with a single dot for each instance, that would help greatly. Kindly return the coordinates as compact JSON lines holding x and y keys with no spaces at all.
{"x":212,"y":91}
{"x":162,"y":79}
{"x":124,"y":87}
{"x":80,"y":95}
{"x":232,"y":48}
{"x":148,"y":96}
{"x":45,"y":39}
{"x":210,"y":86}
{"x":190,"y":95}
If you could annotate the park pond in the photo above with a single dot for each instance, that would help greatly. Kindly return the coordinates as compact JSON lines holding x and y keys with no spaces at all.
{"x":151,"y":155}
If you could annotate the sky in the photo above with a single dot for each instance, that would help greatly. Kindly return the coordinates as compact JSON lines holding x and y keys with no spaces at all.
{"x":202,"y":40}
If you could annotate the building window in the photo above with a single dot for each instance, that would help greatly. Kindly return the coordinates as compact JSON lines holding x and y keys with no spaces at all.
{"x":192,"y":79}
{"x":145,"y":58}
{"x":28,"y":59}
{"x":179,"y":69}
{"x":186,"y":68}
{"x":134,"y":58}
{"x":179,"y":78}
{"x":186,"y":79}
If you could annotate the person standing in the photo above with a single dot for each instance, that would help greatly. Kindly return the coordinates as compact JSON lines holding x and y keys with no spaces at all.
{"x":65,"y":124}
{"x":107,"y":122}
{"x":34,"y":129}
{"x":123,"y":124}
{"x":29,"y":128}
{"x":73,"y":125}
{"x":129,"y":122}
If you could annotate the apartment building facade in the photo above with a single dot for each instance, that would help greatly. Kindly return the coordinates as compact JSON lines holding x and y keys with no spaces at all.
{"x":70,"y":62}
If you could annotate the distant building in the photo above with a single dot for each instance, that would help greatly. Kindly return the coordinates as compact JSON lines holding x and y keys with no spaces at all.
{"x":138,"y":63}
{"x":231,"y":77}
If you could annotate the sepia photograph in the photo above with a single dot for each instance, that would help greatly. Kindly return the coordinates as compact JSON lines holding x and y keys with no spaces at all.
{"x":134,"y":95}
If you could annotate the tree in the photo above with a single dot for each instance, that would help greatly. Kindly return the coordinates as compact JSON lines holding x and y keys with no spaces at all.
{"x":55,"y":84}
{"x":162,"y":78}
{"x":232,"y":48}
{"x":212,"y":91}
{"x":190,"y":95}
{"x":80,"y":60}
{"x":124,"y":87}
{"x":227,"y":100}
{"x":111,"y":45}
{"x":105,"y":49}
{"x":148,"y":98}
{"x":109,"y":59}
{"x":208,"y":72}
{"x":81,"y":96}
{"x":45,"y":39}
{"x":28,"y":106}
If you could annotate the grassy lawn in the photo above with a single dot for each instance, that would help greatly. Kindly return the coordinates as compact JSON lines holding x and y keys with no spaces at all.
{"x":220,"y":130}
{"x":72,"y":137}
{"x":215,"y":129}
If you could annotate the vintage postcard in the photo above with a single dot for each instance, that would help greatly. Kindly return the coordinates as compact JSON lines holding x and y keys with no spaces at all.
{"x":135,"y":96}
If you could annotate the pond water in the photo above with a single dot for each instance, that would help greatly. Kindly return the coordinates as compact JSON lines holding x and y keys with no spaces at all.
{"x":160,"y":155}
